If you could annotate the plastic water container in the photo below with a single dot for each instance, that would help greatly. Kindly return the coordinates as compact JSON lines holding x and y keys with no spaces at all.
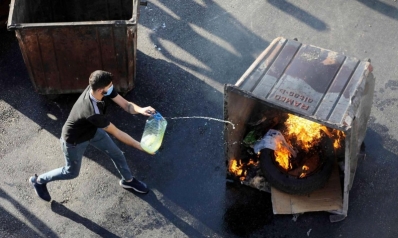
{"x":153,"y":133}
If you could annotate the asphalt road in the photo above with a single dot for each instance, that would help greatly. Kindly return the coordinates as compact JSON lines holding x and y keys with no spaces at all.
{"x":187,"y":51}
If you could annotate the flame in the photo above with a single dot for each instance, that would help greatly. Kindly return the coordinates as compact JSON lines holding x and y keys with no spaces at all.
{"x":305,"y":134}
{"x":239,"y":169}
{"x":305,"y":131}
{"x":282,"y":156}
{"x":235,"y":168}
{"x":339,"y":137}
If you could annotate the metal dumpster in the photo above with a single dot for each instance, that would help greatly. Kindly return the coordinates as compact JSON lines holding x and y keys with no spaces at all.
{"x":62,"y":42}
{"x":322,"y":86}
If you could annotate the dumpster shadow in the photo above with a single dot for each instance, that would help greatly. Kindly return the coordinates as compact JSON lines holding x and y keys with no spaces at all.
{"x":61,"y":210}
{"x":381,"y":7}
{"x":11,"y":225}
{"x":299,"y":14}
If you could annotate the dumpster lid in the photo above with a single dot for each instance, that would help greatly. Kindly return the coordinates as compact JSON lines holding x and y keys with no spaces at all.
{"x":313,"y":82}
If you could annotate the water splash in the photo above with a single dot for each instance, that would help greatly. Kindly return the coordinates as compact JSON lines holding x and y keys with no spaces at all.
{"x":208,"y":118}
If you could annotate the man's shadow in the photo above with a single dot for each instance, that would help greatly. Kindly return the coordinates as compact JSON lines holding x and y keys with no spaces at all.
{"x":60,"y":209}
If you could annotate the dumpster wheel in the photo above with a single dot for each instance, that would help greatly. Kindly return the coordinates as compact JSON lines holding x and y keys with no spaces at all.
{"x":292,"y":184}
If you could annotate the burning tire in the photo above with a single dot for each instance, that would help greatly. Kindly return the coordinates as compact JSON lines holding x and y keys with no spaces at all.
{"x":291,"y":184}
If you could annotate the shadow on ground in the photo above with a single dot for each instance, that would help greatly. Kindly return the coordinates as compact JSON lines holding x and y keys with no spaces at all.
{"x":12,"y":226}
{"x":299,"y":14}
{"x":189,"y":169}
{"x":221,"y":47}
{"x":61,"y":210}
{"x":381,"y":7}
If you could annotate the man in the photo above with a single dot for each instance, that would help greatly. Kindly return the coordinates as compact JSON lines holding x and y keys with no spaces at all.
{"x":86,"y":125}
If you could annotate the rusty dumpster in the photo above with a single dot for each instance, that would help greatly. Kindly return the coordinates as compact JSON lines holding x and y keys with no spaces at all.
{"x":62,"y":42}
{"x":316,"y":87}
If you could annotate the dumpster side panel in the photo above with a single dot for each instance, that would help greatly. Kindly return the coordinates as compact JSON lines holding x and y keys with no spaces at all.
{"x":106,"y":42}
{"x":121,"y":73}
{"x":60,"y":60}
{"x":237,"y":109}
{"x":77,"y":55}
{"x":131,"y":53}
{"x":30,"y":42}
{"x":49,"y":59}
{"x":25,"y":56}
{"x":18,"y":12}
{"x":63,"y":42}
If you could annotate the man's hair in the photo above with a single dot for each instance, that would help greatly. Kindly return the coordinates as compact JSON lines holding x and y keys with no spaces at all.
{"x":100,"y":79}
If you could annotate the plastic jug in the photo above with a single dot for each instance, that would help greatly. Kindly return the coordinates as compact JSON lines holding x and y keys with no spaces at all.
{"x":153,"y":134}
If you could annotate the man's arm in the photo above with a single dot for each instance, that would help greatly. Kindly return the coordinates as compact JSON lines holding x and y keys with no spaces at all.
{"x":122,"y":136}
{"x":131,"y":107}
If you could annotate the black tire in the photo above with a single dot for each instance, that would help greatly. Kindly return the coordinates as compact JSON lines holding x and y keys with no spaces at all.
{"x":291,"y":184}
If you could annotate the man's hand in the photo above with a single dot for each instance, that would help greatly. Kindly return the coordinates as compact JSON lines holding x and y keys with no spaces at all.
{"x":146,"y":111}
{"x":133,"y":108}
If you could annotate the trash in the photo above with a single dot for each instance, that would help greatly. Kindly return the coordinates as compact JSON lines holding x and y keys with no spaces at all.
{"x":308,"y":232}
{"x":250,"y":139}
{"x":272,"y":140}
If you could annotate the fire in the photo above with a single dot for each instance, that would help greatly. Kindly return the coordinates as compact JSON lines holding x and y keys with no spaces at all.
{"x":339,"y":137}
{"x":239,"y":169}
{"x":305,"y":134}
{"x":282,"y":156}
{"x":305,"y":131}
{"x":302,"y":135}
{"x":235,"y":168}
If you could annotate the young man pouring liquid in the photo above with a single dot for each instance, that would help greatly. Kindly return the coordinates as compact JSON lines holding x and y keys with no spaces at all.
{"x":87,"y":124}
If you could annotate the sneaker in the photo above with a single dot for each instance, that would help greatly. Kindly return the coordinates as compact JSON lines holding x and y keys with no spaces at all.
{"x":41,"y":189}
{"x":135,"y":184}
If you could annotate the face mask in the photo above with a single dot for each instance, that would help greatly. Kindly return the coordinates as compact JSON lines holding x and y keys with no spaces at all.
{"x":107,"y":93}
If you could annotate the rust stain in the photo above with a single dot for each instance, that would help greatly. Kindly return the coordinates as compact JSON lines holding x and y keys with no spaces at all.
{"x":330,"y":59}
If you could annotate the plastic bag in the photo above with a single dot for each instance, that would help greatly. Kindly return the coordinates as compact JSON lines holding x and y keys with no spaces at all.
{"x":271,"y":140}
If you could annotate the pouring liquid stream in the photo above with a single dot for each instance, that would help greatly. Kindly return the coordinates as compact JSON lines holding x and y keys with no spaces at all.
{"x":208,"y":118}
{"x":155,"y":128}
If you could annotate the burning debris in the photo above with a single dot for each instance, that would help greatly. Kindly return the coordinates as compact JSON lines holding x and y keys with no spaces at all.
{"x":297,"y":146}
{"x":249,"y":173}
{"x":304,"y":136}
